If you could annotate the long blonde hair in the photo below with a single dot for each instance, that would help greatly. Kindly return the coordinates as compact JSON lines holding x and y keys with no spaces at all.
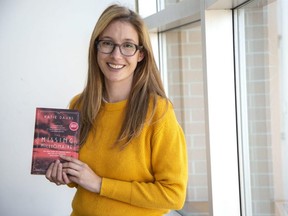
{"x":146,"y":80}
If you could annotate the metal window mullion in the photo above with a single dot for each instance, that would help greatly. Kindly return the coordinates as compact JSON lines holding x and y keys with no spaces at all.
{"x":242,"y":107}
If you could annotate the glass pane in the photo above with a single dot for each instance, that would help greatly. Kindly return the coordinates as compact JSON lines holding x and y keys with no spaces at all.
{"x":171,"y":2}
{"x":263,"y":142}
{"x":182,"y":57}
{"x":167,"y":3}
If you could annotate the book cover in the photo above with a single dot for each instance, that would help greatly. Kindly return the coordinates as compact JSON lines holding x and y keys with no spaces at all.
{"x":56,"y":133}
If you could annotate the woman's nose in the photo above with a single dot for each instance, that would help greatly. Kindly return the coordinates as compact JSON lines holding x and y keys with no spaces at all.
{"x":116,"y":51}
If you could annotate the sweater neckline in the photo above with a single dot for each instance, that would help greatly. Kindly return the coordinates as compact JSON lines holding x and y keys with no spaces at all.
{"x":114,"y":106}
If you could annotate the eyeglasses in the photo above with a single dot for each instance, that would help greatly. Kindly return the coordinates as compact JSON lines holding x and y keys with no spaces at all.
{"x":126,"y":49}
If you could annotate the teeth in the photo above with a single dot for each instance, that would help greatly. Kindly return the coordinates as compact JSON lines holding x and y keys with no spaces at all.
{"x":115,"y":66}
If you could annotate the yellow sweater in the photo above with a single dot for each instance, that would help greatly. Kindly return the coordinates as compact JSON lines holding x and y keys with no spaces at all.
{"x":147,"y":178}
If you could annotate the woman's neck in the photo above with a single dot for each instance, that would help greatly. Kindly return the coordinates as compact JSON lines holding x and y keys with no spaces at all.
{"x":116,"y":92}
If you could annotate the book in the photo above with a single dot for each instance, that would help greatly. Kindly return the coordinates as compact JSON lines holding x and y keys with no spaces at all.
{"x":56,"y":133}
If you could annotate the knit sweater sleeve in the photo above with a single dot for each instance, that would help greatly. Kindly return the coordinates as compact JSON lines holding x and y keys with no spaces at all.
{"x":169,"y":164}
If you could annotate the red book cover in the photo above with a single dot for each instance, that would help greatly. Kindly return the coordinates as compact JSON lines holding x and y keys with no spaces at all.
{"x":56,"y":133}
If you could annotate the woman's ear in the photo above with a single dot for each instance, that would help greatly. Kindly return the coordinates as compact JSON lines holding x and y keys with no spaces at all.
{"x":141,"y":56}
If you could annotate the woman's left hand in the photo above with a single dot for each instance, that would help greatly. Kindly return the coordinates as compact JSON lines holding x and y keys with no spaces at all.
{"x":81,"y":174}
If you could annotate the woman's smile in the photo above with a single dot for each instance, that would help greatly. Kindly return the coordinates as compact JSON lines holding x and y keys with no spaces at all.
{"x":115,"y":66}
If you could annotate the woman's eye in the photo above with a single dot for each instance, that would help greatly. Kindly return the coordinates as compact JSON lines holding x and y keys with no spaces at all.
{"x":128,"y":45}
{"x":107,"y":43}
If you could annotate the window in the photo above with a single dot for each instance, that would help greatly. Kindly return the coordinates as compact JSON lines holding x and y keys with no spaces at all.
{"x":263,"y":112}
{"x":230,"y":98}
{"x":180,"y":55}
{"x":166,"y":3}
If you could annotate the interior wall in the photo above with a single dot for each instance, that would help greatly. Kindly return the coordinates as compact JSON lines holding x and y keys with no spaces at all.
{"x":43,"y":63}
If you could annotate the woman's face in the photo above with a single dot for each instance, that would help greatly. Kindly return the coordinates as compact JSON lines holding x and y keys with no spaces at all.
{"x":116,"y":67}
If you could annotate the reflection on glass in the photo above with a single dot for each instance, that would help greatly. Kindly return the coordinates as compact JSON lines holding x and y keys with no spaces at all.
{"x":184,"y":75}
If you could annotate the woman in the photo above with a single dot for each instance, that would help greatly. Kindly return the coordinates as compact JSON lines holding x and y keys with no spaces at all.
{"x":132,"y":159}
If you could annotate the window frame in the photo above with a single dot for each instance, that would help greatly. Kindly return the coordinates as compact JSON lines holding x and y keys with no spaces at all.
{"x":242,"y":115}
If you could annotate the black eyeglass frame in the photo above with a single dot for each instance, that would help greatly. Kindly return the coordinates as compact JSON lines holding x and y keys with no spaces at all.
{"x":119,"y":45}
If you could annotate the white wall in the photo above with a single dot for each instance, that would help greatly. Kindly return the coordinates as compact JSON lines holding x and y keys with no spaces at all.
{"x":43,"y":62}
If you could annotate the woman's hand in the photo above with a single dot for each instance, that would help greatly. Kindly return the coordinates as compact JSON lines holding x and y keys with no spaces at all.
{"x":79,"y":173}
{"x":55,"y":174}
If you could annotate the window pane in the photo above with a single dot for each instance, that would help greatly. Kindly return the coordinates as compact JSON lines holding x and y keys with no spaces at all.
{"x":182,"y":64}
{"x":167,"y":3}
{"x":262,"y":133}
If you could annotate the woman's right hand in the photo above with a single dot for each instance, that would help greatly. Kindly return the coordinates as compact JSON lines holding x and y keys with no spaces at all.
{"x":56,"y":175}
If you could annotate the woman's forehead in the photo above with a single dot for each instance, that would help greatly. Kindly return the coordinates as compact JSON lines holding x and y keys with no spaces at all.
{"x":120,"y":30}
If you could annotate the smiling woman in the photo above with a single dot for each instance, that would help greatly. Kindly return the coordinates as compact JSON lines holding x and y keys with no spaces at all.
{"x":127,"y":125}
{"x":117,"y":67}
